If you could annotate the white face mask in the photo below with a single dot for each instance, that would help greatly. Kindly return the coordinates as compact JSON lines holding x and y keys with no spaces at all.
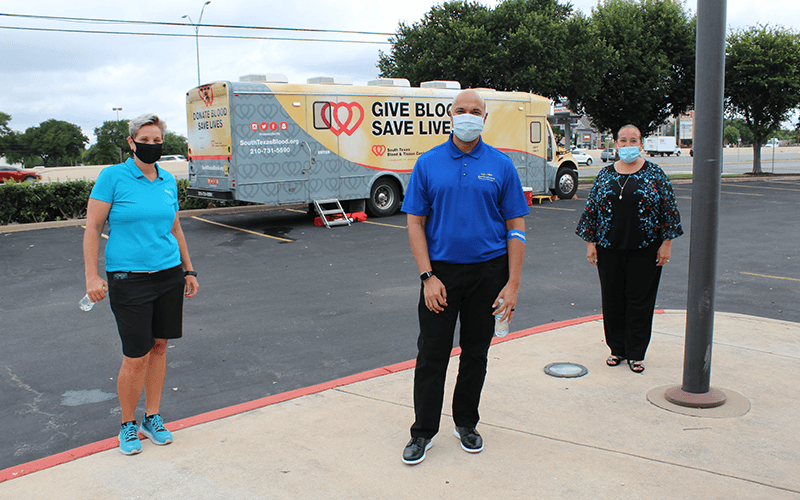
{"x":467,"y":127}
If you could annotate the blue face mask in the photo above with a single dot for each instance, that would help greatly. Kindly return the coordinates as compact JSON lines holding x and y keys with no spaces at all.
{"x":629,"y":154}
{"x":467,"y":127}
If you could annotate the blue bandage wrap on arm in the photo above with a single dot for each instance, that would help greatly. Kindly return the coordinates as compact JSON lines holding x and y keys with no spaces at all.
{"x":520,"y":235}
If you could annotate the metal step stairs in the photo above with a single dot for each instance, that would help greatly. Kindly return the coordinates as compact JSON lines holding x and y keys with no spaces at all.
{"x":331,"y":207}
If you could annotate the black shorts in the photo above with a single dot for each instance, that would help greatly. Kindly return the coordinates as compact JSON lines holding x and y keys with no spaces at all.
{"x":147,"y":306}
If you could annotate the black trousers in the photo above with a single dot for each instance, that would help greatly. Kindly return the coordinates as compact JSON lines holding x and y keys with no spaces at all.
{"x":629,"y":284}
{"x":471,"y":290}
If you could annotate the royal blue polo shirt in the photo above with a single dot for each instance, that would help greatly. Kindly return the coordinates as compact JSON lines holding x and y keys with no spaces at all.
{"x":141,"y":218}
{"x":467,"y":199}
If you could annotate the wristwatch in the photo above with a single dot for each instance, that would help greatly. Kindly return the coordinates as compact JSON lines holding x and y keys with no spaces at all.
{"x":190,"y":273}
{"x":425,"y":276}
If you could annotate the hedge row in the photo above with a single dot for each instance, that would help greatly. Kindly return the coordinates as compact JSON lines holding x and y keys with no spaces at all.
{"x":26,"y":202}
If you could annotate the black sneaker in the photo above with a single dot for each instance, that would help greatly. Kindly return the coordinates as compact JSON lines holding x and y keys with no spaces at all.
{"x":471,"y":441}
{"x":415,"y":450}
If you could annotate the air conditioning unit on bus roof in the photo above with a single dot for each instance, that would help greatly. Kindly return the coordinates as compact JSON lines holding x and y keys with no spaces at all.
{"x":269,"y":78}
{"x":389,"y":82}
{"x":440,"y":84}
{"x":330,"y":80}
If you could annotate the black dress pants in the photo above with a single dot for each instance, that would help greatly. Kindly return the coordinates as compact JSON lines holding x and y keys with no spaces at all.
{"x":629,"y":284}
{"x":471,"y":290}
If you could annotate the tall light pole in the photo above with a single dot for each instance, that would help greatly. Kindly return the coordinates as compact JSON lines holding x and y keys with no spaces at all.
{"x":197,"y":36}
{"x":119,"y":148}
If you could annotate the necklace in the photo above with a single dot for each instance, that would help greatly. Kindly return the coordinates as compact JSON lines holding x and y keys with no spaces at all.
{"x":622,"y":186}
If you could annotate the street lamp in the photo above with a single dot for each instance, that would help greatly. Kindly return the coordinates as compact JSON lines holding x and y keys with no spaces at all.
{"x":119,"y":148}
{"x":197,"y":36}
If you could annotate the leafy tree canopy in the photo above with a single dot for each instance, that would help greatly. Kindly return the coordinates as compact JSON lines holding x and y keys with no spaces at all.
{"x":762,"y":80}
{"x":111,"y":146}
{"x":55,"y":142}
{"x":175,"y":144}
{"x":648,"y":65}
{"x":631,"y":62}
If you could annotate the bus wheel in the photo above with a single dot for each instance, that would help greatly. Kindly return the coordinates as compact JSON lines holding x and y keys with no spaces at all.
{"x":566,"y":183}
{"x":384,"y":198}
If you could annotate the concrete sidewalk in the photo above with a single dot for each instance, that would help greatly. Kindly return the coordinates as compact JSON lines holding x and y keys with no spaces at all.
{"x":608,"y":434}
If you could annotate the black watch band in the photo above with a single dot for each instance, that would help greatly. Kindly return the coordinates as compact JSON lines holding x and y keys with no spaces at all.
{"x":190,"y":273}
{"x":425,"y":276}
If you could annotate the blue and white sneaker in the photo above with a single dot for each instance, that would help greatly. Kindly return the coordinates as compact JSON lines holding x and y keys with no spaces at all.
{"x":129,"y":443}
{"x":153,"y":428}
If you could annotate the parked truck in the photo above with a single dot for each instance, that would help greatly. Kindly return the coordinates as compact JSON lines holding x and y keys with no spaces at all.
{"x":265,"y":140}
{"x":661,"y":145}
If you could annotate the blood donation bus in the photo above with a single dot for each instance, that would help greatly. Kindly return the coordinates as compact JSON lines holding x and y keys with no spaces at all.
{"x":267,"y":141}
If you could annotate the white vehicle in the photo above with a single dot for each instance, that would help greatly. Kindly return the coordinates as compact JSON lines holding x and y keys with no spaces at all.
{"x":772,"y":143}
{"x":172,"y":158}
{"x":582,"y":157}
{"x":661,"y":145}
{"x":277,"y":143}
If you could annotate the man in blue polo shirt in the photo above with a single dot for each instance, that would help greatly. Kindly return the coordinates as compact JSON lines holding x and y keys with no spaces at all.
{"x":466,"y":227}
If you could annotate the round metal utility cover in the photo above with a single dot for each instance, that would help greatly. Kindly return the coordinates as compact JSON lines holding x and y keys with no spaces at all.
{"x":565,"y":370}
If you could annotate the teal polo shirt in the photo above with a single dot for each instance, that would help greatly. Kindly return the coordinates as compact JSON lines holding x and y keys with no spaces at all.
{"x":467,"y":198}
{"x":141,"y":218}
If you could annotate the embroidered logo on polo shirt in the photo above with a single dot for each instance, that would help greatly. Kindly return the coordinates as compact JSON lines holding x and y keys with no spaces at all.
{"x":486,"y":177}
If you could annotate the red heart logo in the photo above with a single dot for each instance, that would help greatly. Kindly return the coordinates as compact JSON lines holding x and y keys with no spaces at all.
{"x":378,"y":149}
{"x":344,"y":116}
{"x":206,"y":94}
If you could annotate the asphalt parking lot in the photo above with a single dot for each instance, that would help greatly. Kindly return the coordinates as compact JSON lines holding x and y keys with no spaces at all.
{"x":284,"y":304}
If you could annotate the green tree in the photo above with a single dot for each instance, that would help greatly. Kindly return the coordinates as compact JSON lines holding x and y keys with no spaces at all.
{"x":9,"y":139}
{"x":452,"y":42}
{"x":4,"y":128}
{"x":648,"y":64}
{"x":55,"y":142}
{"x":730,"y":134}
{"x":744,"y":131}
{"x":524,"y":45}
{"x":535,"y":41}
{"x":112,"y":144}
{"x":762,"y":80}
{"x":175,"y":144}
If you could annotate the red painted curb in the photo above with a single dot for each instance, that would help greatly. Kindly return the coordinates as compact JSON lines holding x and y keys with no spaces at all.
{"x":107,"y":444}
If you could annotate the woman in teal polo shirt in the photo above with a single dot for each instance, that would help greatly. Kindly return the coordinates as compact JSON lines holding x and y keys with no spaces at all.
{"x":148,"y":269}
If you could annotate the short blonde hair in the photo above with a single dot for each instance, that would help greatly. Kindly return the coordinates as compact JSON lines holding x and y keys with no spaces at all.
{"x":146,"y":119}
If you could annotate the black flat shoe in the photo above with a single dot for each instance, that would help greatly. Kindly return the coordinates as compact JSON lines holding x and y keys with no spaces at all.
{"x":414,"y":452}
{"x":614,"y":360}
{"x":471,"y":441}
{"x":636,"y":366}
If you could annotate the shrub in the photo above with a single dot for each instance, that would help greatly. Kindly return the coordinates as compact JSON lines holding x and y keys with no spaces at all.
{"x":26,"y":202}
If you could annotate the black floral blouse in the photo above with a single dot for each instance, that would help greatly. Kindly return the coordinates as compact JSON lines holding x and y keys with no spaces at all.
{"x":650,"y":199}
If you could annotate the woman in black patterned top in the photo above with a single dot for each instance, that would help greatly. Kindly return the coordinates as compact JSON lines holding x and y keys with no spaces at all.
{"x":629,"y":222}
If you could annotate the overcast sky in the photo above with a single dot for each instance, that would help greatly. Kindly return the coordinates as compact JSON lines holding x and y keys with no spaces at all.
{"x":79,"y":78}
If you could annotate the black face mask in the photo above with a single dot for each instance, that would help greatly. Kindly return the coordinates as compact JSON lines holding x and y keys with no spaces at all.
{"x":148,"y":153}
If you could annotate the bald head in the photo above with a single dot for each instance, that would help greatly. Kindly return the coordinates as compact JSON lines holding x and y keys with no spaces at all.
{"x":469,"y":101}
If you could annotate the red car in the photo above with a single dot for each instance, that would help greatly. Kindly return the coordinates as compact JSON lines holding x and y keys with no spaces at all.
{"x":18,"y":174}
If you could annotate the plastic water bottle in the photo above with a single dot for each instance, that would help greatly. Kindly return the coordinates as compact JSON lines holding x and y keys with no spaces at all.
{"x":86,"y":303}
{"x":500,"y":327}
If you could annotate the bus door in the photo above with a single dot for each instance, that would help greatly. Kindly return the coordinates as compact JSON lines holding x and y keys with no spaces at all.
{"x":326,"y":124}
{"x":539,"y":153}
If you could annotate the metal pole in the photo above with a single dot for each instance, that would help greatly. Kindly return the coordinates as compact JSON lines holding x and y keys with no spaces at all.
{"x":774,"y":147}
{"x":118,"y":148}
{"x":197,"y":36}
{"x":197,"y":45}
{"x":709,"y":94}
